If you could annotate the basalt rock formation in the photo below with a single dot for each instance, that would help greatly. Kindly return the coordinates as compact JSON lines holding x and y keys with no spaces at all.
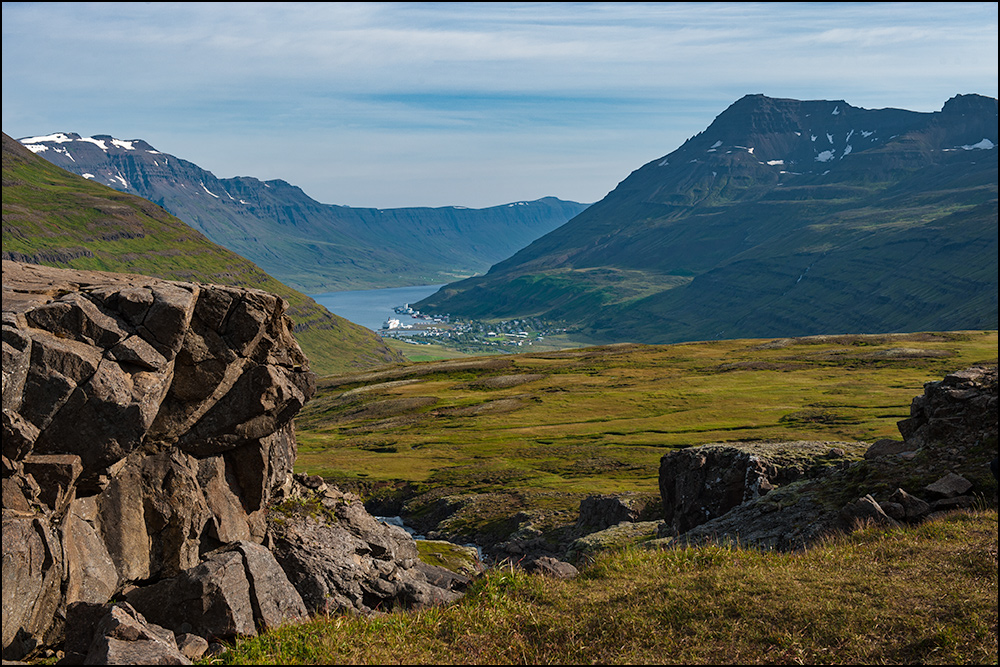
{"x":145,"y":423}
{"x":701,"y":483}
{"x":146,"y":433}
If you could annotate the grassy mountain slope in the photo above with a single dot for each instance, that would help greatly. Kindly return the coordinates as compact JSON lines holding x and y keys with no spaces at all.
{"x":782,"y":218}
{"x":311,"y":246}
{"x":56,"y":218}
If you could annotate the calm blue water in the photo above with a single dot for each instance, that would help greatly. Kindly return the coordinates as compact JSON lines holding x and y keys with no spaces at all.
{"x":370,"y":308}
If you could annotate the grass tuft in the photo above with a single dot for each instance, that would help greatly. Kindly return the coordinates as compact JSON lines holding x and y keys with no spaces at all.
{"x":924,"y":594}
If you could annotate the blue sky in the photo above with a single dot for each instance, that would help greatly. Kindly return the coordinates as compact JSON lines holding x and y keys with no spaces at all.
{"x":469,"y":104}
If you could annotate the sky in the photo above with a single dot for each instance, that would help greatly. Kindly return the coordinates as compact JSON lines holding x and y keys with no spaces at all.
{"x":463,"y":104}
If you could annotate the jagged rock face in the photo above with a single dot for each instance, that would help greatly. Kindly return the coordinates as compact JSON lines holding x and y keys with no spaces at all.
{"x":960,"y":409}
{"x":701,"y":483}
{"x":340,"y":558}
{"x":145,"y":423}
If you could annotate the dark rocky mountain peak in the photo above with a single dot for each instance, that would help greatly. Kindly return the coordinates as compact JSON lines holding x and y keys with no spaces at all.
{"x":783,"y":217}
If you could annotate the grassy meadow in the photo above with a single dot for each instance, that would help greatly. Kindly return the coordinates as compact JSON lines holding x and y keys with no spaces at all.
{"x":543,"y":430}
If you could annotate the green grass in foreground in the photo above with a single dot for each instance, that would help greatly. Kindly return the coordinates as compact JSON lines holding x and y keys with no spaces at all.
{"x":925,"y":594}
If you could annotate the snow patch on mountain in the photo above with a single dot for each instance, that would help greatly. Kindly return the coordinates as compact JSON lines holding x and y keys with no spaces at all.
{"x":97,"y":142}
{"x":57,"y":138}
{"x":985,"y":144}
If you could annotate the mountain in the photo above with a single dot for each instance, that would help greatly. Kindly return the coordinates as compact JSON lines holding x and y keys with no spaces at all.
{"x":783,"y":218}
{"x":312,"y":246}
{"x":56,"y":218}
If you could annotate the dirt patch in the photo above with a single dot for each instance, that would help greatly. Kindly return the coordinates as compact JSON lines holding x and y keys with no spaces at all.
{"x":387,"y":408}
{"x":502,"y":381}
{"x":488,"y":408}
{"x":757,"y":366}
{"x":377,"y":387}
{"x":908,"y":353}
{"x":391,"y":424}
{"x":417,"y":370}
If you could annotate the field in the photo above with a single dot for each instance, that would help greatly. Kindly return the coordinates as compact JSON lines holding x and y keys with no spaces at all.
{"x":540,"y":431}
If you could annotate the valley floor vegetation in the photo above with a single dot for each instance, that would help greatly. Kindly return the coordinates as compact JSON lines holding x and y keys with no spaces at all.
{"x":919,"y":595}
{"x":540,"y":431}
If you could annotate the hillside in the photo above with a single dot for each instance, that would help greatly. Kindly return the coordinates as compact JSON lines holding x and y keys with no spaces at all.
{"x":782,"y":218}
{"x":312,"y":246}
{"x":56,"y":218}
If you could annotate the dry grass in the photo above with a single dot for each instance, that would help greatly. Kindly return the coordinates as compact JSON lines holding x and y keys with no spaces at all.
{"x":921,"y":595}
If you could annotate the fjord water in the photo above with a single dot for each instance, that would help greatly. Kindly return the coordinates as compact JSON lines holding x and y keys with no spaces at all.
{"x":370,"y":308}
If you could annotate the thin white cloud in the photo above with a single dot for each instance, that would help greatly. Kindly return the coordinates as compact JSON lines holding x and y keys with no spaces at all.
{"x":466,"y":82}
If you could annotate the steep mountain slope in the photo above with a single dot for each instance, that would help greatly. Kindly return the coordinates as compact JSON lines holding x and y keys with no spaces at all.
{"x":782,"y":218}
{"x":56,"y":218}
{"x":311,"y":246}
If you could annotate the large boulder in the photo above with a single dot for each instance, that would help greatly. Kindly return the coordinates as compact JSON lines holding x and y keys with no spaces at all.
{"x":232,"y":592}
{"x":146,"y":423}
{"x":123,"y":637}
{"x":698,"y":484}
{"x":598,"y":511}
{"x":958,"y":410}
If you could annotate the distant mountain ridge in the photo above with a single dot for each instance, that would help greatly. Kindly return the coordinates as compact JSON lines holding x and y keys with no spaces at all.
{"x":782,"y":218}
{"x":311,"y":246}
{"x":56,"y":218}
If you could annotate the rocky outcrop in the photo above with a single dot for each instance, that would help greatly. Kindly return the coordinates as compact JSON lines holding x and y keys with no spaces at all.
{"x":147,"y":435}
{"x":234,"y":591}
{"x":145,"y":424}
{"x":117,"y":634}
{"x":598,"y":512}
{"x":948,"y":443}
{"x":340,"y":558}
{"x":698,"y":484}
{"x":958,"y":411}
